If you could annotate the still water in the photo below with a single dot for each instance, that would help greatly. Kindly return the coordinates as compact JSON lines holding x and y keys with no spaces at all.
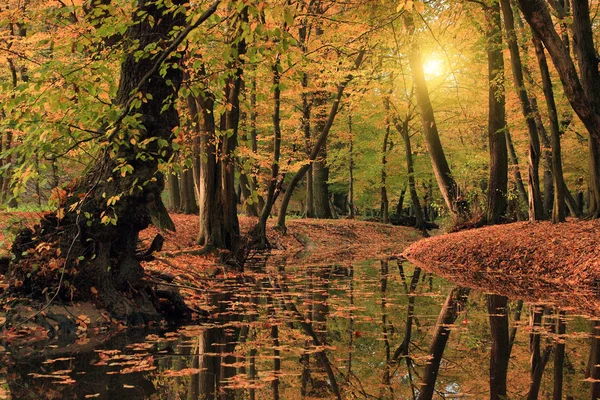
{"x":344,"y":331}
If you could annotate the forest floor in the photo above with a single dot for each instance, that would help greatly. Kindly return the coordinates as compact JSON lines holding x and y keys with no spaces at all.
{"x":198,"y":276}
{"x":554,"y":263}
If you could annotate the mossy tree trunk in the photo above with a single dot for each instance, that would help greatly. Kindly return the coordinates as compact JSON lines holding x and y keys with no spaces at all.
{"x":97,"y":227}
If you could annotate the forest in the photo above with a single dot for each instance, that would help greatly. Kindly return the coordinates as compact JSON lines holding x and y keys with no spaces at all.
{"x":219,"y":171}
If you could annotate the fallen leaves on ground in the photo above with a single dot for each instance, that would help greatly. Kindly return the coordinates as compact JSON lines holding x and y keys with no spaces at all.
{"x":534,"y":261}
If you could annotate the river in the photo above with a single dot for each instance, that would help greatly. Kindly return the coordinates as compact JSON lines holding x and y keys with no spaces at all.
{"x":315,"y":332}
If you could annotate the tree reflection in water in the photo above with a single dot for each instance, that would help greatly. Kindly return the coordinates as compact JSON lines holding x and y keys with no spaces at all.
{"x":361,"y":331}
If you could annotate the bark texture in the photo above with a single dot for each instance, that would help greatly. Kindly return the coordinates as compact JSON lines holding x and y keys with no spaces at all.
{"x":102,"y":258}
{"x":536,"y":211}
{"x":538,"y":16}
{"x":498,"y":180}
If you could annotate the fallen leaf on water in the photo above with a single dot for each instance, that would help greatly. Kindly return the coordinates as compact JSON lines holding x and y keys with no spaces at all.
{"x":183,"y":372}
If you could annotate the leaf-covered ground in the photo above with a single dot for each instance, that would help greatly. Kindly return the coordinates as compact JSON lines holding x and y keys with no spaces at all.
{"x":308,"y":241}
{"x":537,"y":261}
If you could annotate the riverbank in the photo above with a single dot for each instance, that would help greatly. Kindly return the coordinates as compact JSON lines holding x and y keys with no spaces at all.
{"x":307,"y":241}
{"x":554,"y":263}
{"x":182,"y":265}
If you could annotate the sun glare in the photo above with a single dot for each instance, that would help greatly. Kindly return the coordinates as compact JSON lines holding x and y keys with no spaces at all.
{"x":433,"y":68}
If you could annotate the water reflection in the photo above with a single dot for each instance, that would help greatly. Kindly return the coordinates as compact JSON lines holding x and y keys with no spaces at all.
{"x":368,"y":330}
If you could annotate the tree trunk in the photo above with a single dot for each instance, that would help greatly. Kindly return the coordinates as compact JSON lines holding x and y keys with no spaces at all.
{"x":254,"y":143}
{"x":319,"y":168}
{"x":538,"y":16}
{"x":559,"y":207}
{"x":247,"y":195}
{"x":306,"y":106}
{"x":414,"y":197}
{"x":385,"y":204}
{"x":447,"y":184}
{"x":219,"y":226}
{"x":498,"y":181}
{"x":533,"y":188}
{"x":500,"y":352}
{"x":351,"y":169}
{"x":188,"y":203}
{"x":448,"y":315}
{"x":121,"y":193}
{"x":548,"y":197}
{"x":400,"y":204}
{"x":248,"y":204}
{"x":583,"y":43}
{"x":522,"y":193}
{"x":174,"y":193}
{"x":316,"y":147}
{"x":260,"y":230}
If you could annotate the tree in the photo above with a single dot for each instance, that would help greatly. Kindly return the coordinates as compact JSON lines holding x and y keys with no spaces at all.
{"x":446,"y":183}
{"x":96,"y":229}
{"x":219,"y":226}
{"x":498,"y":182}
{"x":538,"y":17}
{"x":536,"y":211}
{"x":320,"y":141}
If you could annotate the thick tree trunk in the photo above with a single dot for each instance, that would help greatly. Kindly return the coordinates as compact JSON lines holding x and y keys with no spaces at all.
{"x":104,"y":213}
{"x":587,"y":58}
{"x":219,"y":226}
{"x":533,"y":188}
{"x":447,"y":185}
{"x":498,"y":181}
